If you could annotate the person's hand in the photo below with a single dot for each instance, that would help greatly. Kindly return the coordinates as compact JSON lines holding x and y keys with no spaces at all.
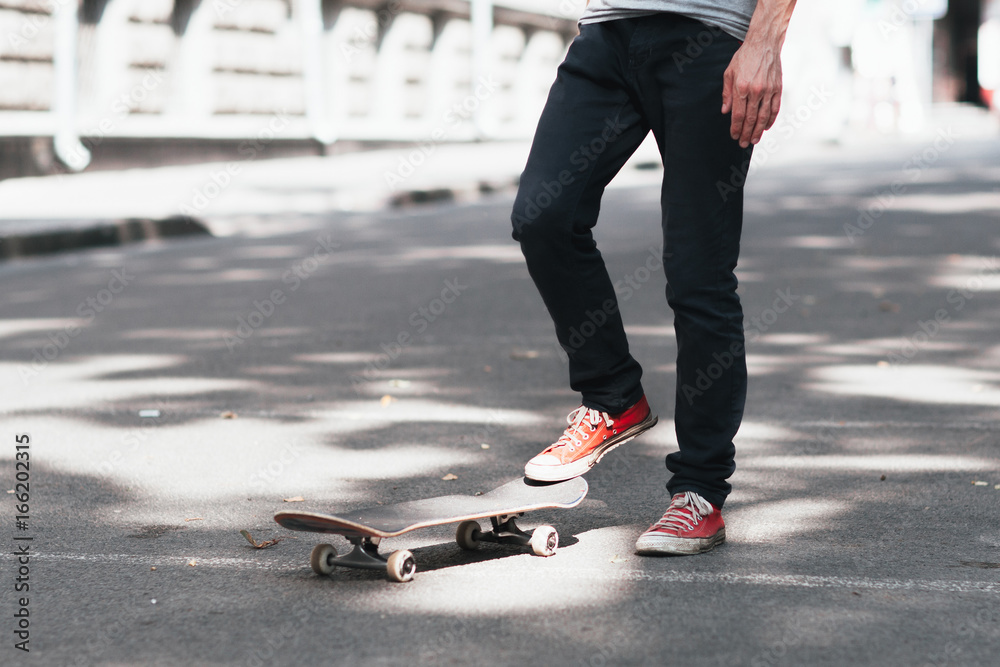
{"x":751,"y":86}
{"x":751,"y":91}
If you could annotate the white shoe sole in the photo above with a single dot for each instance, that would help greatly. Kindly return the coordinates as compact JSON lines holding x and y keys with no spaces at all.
{"x":560,"y":473}
{"x":663,"y":545}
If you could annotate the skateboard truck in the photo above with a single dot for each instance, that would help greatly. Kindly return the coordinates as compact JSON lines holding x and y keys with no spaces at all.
{"x":506,"y":531}
{"x":399,"y":566}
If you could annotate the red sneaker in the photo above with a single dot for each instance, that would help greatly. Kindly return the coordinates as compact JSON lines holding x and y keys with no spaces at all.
{"x":691,"y":525}
{"x":591,"y":435}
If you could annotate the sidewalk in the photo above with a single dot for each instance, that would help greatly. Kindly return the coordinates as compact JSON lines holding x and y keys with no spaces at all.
{"x":233,"y":197}
{"x":250,"y":196}
{"x":245,"y":197}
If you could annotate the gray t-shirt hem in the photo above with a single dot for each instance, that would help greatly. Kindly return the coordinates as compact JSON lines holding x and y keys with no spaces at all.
{"x":726,"y":24}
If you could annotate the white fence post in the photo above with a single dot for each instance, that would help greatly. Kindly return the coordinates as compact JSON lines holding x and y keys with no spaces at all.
{"x":311,"y":24}
{"x":66,"y":142}
{"x":482,"y":57}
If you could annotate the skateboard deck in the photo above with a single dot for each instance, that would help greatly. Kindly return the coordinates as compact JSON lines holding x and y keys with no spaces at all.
{"x":366,"y":527}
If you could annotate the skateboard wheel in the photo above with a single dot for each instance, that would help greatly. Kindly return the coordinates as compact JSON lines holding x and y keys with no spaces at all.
{"x":401,"y":566}
{"x":544,"y":540}
{"x":322,"y":557}
{"x":467,"y":535}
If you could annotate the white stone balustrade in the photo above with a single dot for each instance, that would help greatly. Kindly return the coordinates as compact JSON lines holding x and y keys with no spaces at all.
{"x":221,"y":69}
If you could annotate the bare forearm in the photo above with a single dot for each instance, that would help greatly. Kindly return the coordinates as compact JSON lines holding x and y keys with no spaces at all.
{"x":770,"y":22}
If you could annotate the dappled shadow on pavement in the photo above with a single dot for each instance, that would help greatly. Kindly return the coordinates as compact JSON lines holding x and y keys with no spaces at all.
{"x":363,"y":360}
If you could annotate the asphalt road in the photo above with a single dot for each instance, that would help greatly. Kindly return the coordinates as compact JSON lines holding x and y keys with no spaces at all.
{"x":364,"y":357}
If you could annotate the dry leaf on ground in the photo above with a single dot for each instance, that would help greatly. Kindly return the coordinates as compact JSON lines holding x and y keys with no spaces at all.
{"x":260,"y":545}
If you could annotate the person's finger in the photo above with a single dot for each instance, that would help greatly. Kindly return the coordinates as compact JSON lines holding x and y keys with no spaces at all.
{"x":727,"y":90}
{"x":752,"y":113}
{"x":763,"y":118}
{"x":738,"y":116}
{"x":775,"y":108}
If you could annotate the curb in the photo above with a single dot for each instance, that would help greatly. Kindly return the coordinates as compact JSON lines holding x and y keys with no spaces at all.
{"x":58,"y":236}
{"x":53,"y":236}
{"x":467,"y":192}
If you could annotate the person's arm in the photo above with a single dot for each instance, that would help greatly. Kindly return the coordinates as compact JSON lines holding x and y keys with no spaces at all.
{"x":752,"y":84}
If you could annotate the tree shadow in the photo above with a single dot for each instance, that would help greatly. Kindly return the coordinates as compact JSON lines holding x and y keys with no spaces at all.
{"x":387,"y":349}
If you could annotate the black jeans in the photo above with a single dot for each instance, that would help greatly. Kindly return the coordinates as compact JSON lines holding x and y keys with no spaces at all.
{"x":620,"y":80}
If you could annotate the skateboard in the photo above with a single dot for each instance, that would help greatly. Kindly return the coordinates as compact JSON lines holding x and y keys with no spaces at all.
{"x":367,"y":527}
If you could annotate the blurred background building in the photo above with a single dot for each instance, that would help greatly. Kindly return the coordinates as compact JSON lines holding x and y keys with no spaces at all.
{"x":112,"y":83}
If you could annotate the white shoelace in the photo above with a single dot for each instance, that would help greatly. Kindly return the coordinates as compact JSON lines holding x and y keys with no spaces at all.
{"x":685,"y":512}
{"x":578,"y":420}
